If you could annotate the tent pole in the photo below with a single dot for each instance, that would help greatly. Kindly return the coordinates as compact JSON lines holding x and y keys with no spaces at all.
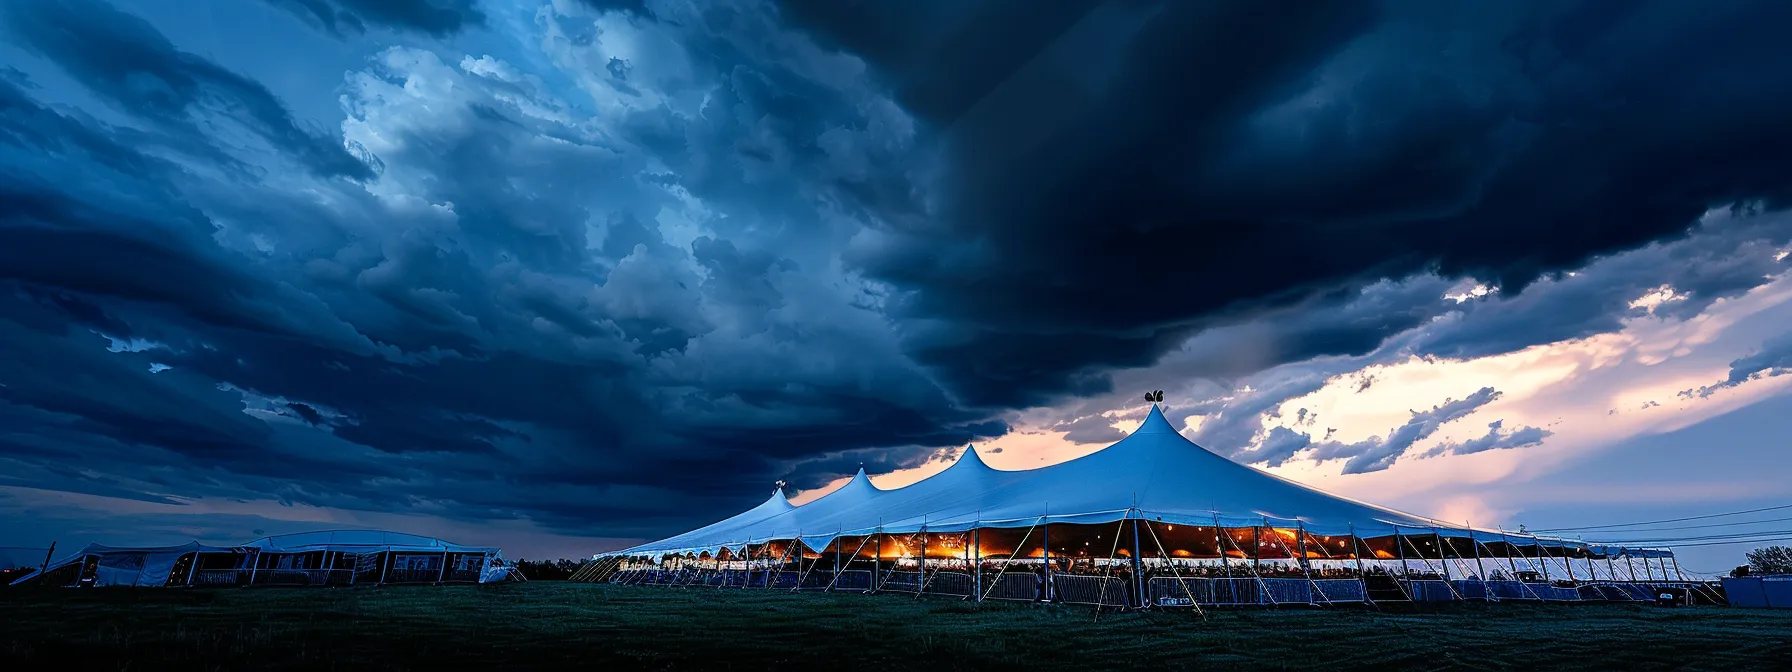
{"x":855,"y":554}
{"x":1045,"y":527}
{"x":1257,"y":549}
{"x":1480,"y":569}
{"x":48,"y":554}
{"x":1356,"y":551}
{"x":1527,"y":562}
{"x":1138,"y":570}
{"x":977,"y":558}
{"x":1542,"y":558}
{"x":1161,"y":553}
{"x":1300,"y":539}
{"x":877,"y":563}
{"x":837,"y":550}
{"x":1443,"y":561}
{"x":1677,"y":572}
{"x":922,"y":586}
{"x":1010,"y":561}
{"x":1446,"y":569}
{"x":443,"y":571}
{"x":1400,"y":547}
{"x":1568,"y":565}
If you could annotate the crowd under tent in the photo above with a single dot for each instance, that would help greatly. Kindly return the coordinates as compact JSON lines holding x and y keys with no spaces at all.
{"x":329,"y":558}
{"x":1153,"y":520}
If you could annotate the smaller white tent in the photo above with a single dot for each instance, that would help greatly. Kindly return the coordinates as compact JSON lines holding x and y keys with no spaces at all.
{"x":332,"y":557}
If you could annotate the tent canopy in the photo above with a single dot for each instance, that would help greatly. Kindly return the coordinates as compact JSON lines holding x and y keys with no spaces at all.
{"x":347,"y":541}
{"x":1154,"y":473}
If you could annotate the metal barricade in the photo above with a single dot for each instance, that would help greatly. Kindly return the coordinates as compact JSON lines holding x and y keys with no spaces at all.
{"x":1289,"y":591}
{"x":1173,"y":591}
{"x":1510,"y":590}
{"x":1340,"y":590}
{"x":854,"y":579}
{"x":902,"y":582}
{"x":1430,"y":590}
{"x":1013,"y":586}
{"x":1236,"y":591}
{"x":951,"y":583}
{"x":817,"y":579}
{"x":220,"y":577}
{"x":1103,"y":591}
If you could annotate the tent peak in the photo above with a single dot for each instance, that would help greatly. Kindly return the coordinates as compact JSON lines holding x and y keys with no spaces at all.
{"x":970,"y":457}
{"x":1155,"y":423}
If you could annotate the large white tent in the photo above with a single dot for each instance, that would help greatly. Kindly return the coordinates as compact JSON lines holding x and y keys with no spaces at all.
{"x":1154,"y":475}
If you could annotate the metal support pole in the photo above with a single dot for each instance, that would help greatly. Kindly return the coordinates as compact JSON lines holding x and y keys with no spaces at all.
{"x":1542,"y":559}
{"x":919,"y":588}
{"x":192,"y":568}
{"x":977,"y":559}
{"x":877,"y":561}
{"x":1474,"y":544}
{"x":1442,"y":560}
{"x":1045,"y":527}
{"x":1138,"y":572}
{"x":1356,"y":551}
{"x":1400,"y":548}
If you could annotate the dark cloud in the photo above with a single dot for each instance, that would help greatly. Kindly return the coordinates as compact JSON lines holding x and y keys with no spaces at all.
{"x":1256,"y":155}
{"x":504,"y":324}
{"x":125,"y":61}
{"x":626,"y":262}
{"x":1092,"y":429}
{"x":1773,"y":359}
{"x":1377,"y":453}
{"x":352,"y":17}
{"x":1496,"y":438}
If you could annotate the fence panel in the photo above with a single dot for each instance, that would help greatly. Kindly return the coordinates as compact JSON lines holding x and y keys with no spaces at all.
{"x":1236,"y":591}
{"x":854,"y":579}
{"x":1013,"y":586}
{"x":902,"y":582}
{"x":951,"y":583}
{"x":1290,"y":591}
{"x":1430,"y":591}
{"x":220,"y":577}
{"x":1172,"y":591}
{"x":1340,"y":590}
{"x":1104,"y":591}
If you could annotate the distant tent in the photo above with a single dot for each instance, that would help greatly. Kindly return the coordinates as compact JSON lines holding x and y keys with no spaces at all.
{"x":1152,"y":503}
{"x":337,"y":557}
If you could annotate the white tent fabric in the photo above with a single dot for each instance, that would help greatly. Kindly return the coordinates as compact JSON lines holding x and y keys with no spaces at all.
{"x":149,"y":566}
{"x":130,"y":566}
{"x":1154,"y":473}
{"x":360,"y":541}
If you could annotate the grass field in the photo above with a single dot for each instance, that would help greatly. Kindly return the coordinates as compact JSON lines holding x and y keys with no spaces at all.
{"x":552,"y":625}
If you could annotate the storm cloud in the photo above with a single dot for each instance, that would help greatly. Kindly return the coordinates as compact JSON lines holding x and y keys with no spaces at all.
{"x":622,"y":265}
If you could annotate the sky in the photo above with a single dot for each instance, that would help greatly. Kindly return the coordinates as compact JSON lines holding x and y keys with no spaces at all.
{"x":564,"y":276}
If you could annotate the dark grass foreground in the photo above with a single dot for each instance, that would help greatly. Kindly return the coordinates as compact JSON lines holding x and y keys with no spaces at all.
{"x":553,"y":625}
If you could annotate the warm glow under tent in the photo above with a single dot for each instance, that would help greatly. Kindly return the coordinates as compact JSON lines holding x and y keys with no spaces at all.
{"x":1133,"y":524}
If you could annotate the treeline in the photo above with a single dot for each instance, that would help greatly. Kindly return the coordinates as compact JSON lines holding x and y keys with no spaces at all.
{"x":547,"y":570}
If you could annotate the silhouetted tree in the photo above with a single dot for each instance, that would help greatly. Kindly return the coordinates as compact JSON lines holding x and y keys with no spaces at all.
{"x":1770,"y":560}
{"x":547,"y":570}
